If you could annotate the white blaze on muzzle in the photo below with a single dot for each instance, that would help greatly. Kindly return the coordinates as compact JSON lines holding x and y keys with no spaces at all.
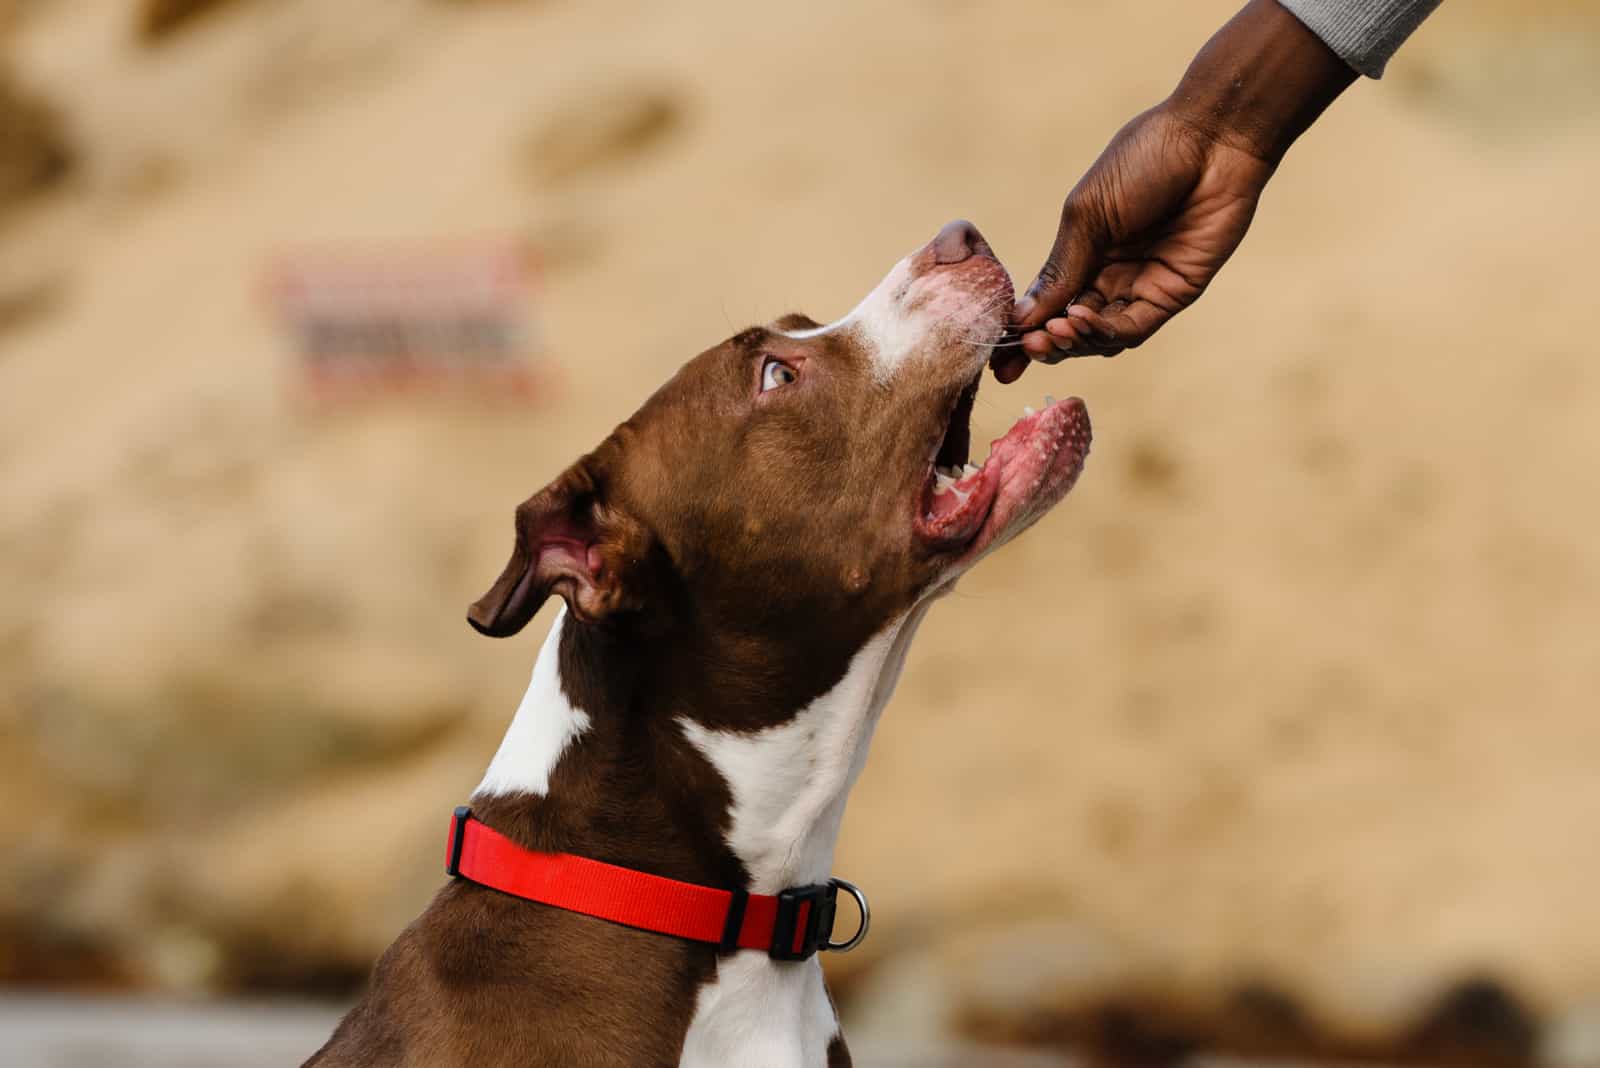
{"x":894,"y":322}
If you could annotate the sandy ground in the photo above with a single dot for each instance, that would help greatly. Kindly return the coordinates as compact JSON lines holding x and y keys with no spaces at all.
{"x":43,"y":1032}
{"x":1298,"y":687}
{"x":58,"y":1032}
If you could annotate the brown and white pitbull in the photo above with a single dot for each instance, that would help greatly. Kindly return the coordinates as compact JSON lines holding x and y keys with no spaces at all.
{"x":744,"y":563}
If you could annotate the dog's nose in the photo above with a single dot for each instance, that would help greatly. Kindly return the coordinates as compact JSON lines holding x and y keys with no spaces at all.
{"x":957,"y":241}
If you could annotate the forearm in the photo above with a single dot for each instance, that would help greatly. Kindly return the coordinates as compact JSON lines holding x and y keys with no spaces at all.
{"x":1260,"y":81}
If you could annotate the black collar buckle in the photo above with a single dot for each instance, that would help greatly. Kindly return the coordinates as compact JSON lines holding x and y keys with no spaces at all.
{"x":804,"y":922}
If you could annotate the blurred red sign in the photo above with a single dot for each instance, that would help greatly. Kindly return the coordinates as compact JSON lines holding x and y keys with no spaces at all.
{"x":455,"y":317}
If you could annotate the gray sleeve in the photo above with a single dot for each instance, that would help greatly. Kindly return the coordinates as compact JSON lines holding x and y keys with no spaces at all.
{"x":1363,"y":33}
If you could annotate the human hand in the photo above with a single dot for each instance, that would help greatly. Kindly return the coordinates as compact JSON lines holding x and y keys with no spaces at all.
{"x":1142,"y":234}
{"x":1145,"y":231}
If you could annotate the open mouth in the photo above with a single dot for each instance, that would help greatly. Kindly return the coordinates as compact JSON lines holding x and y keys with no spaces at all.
{"x":968,"y":508}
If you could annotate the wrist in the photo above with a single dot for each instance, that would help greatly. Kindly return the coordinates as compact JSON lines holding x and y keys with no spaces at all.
{"x":1260,"y":82}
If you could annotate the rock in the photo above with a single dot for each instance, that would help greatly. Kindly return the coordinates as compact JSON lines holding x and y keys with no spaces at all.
{"x":160,"y":19}
{"x":35,"y":152}
{"x":606,"y":126}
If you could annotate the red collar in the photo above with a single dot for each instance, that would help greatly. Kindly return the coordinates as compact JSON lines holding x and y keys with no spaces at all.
{"x":791,"y":925}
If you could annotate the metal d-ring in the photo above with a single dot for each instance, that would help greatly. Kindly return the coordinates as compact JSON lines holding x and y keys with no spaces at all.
{"x":866,"y":918}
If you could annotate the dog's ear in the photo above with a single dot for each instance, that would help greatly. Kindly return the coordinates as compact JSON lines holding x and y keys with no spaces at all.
{"x":570,"y":542}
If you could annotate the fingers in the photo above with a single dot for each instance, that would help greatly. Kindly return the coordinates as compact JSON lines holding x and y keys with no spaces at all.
{"x":1091,"y":326}
{"x":1045,"y":345}
{"x":1008,"y":365}
{"x":1062,"y":337}
{"x":1058,"y":340}
{"x":1071,"y":337}
{"x":1072,"y":262}
{"x":1120,"y":324}
{"x":1074,"y":258}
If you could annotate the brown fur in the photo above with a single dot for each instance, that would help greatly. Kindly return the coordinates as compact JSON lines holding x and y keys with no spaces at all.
{"x":723,"y":553}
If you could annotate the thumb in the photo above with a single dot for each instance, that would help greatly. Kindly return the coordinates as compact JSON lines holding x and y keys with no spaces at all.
{"x":1066,"y":273}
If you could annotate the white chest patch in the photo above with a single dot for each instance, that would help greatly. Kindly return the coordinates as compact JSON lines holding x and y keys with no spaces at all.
{"x":545,"y":724}
{"x":789,"y":785}
{"x":761,"y":1013}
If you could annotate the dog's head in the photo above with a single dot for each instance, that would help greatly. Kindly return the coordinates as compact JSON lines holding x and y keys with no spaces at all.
{"x":801,"y":485}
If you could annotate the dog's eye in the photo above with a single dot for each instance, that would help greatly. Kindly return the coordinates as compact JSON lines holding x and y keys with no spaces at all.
{"x":775,"y":373}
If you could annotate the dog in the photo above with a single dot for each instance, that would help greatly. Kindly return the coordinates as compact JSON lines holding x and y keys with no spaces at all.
{"x":642,"y":878}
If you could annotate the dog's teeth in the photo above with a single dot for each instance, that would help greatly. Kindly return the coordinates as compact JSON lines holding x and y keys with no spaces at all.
{"x":1048,"y":400}
{"x":1026,"y":411}
{"x":941,"y":482}
{"x":961,"y":495}
{"x":967,"y":470}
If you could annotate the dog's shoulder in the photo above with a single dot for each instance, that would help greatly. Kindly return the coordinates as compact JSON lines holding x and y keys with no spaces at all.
{"x":480,"y":976}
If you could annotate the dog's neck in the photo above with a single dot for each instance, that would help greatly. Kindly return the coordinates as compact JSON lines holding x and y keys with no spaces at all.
{"x":756,"y":809}
{"x":585,"y":769}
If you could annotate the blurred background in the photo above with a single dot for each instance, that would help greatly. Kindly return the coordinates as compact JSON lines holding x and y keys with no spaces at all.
{"x":1281,"y":737}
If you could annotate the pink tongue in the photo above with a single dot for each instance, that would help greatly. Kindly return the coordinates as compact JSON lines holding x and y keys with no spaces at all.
{"x":945,"y":503}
